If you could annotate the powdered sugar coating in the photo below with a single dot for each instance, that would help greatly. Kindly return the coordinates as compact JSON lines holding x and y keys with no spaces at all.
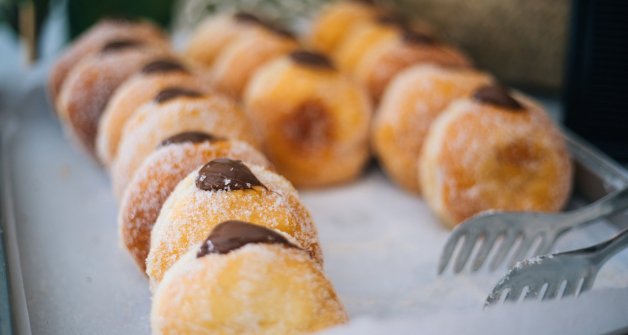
{"x":189,"y":214}
{"x":257,"y":289}
{"x":158,"y":176}
{"x":236,"y":63}
{"x":313,"y":122}
{"x":93,"y":40}
{"x":412,"y":101}
{"x":131,"y":95}
{"x":92,"y":82}
{"x":153,"y":122}
{"x":478,"y":157}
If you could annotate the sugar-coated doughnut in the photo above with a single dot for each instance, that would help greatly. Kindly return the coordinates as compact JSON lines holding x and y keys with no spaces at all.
{"x":92,"y":41}
{"x":411,"y":103}
{"x":215,"y":33}
{"x":335,"y":22}
{"x":88,"y":87}
{"x":378,"y":50}
{"x":245,"y":279}
{"x":160,"y":173}
{"x":222,"y":190}
{"x":238,"y":61}
{"x":494,"y":151}
{"x":313,"y":119}
{"x":156,"y":75}
{"x":172,"y":111}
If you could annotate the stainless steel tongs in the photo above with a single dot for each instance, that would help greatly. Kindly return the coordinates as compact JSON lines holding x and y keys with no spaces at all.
{"x":558,"y":275}
{"x":487,"y":228}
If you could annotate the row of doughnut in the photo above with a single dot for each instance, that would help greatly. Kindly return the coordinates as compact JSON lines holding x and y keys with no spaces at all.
{"x":224,"y":239}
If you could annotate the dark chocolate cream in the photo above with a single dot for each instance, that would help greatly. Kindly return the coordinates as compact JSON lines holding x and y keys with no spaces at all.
{"x":117,"y":45}
{"x":415,"y":37}
{"x":246,"y":17}
{"x":312,"y":59}
{"x":189,"y":137}
{"x":232,"y":235}
{"x":163,"y":65}
{"x":227,"y":175}
{"x":498,"y":96}
{"x":249,"y":18}
{"x":175,"y":92}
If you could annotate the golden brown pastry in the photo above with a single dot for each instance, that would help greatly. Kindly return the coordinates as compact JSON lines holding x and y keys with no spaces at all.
{"x":494,"y":151}
{"x":335,"y":22}
{"x":94,"y":39}
{"x":221,"y":190}
{"x":162,"y":170}
{"x":313,"y":119}
{"x":378,"y":50}
{"x":413,"y":100}
{"x":172,"y":111}
{"x":245,"y":279}
{"x":237,"y":62}
{"x":158,"y":74}
{"x":88,"y":87}
{"x":215,"y":33}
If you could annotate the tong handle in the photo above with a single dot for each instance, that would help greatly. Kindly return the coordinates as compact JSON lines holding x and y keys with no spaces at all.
{"x":605,"y":206}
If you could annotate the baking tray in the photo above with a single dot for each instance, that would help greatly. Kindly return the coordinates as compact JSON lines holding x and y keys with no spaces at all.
{"x":67,"y":274}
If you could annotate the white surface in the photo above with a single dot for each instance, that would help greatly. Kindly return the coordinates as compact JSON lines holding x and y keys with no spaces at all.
{"x":380,"y":244}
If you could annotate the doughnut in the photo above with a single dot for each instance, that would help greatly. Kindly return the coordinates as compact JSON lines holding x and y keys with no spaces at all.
{"x":313,"y":119}
{"x":377,"y":50}
{"x":410,"y":104}
{"x":335,"y":22}
{"x":238,"y":61}
{"x":172,"y":111}
{"x":92,"y":41}
{"x":162,"y":170}
{"x":90,"y":84}
{"x":245,"y":279}
{"x":215,"y":33}
{"x":222,"y":190}
{"x":158,"y":74}
{"x":494,"y":151}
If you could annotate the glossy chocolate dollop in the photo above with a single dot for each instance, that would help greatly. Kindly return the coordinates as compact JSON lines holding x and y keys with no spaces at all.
{"x":189,"y":137}
{"x":233,"y":235}
{"x":227,"y":175}
{"x":118,"y":45}
{"x":311,"y":59}
{"x":163,"y":65}
{"x":176,"y":92}
{"x":498,"y":96}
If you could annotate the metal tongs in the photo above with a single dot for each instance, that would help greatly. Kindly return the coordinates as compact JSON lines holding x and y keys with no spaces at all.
{"x":527,"y":227}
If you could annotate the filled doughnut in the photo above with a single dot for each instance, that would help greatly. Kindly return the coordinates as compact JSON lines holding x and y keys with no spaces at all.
{"x":92,"y":41}
{"x":158,"y":74}
{"x":334,"y":23}
{"x":222,"y":190}
{"x":162,"y":170}
{"x":215,"y":33}
{"x":378,"y":50}
{"x":412,"y":101}
{"x":494,"y":151}
{"x":238,"y":61}
{"x":245,"y":279}
{"x":88,"y":87}
{"x":313,"y":119}
{"x":172,"y":111}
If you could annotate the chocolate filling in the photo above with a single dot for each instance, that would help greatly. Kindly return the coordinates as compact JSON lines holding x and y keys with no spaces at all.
{"x":117,"y":45}
{"x":249,"y":18}
{"x":498,"y":96}
{"x":414,"y":37}
{"x":312,"y":59}
{"x":189,"y":137}
{"x":176,"y":92}
{"x":233,"y":235}
{"x":163,"y":65}
{"x":226,"y":175}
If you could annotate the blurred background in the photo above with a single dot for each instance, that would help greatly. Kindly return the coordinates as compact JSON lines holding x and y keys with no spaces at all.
{"x":575,"y":50}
